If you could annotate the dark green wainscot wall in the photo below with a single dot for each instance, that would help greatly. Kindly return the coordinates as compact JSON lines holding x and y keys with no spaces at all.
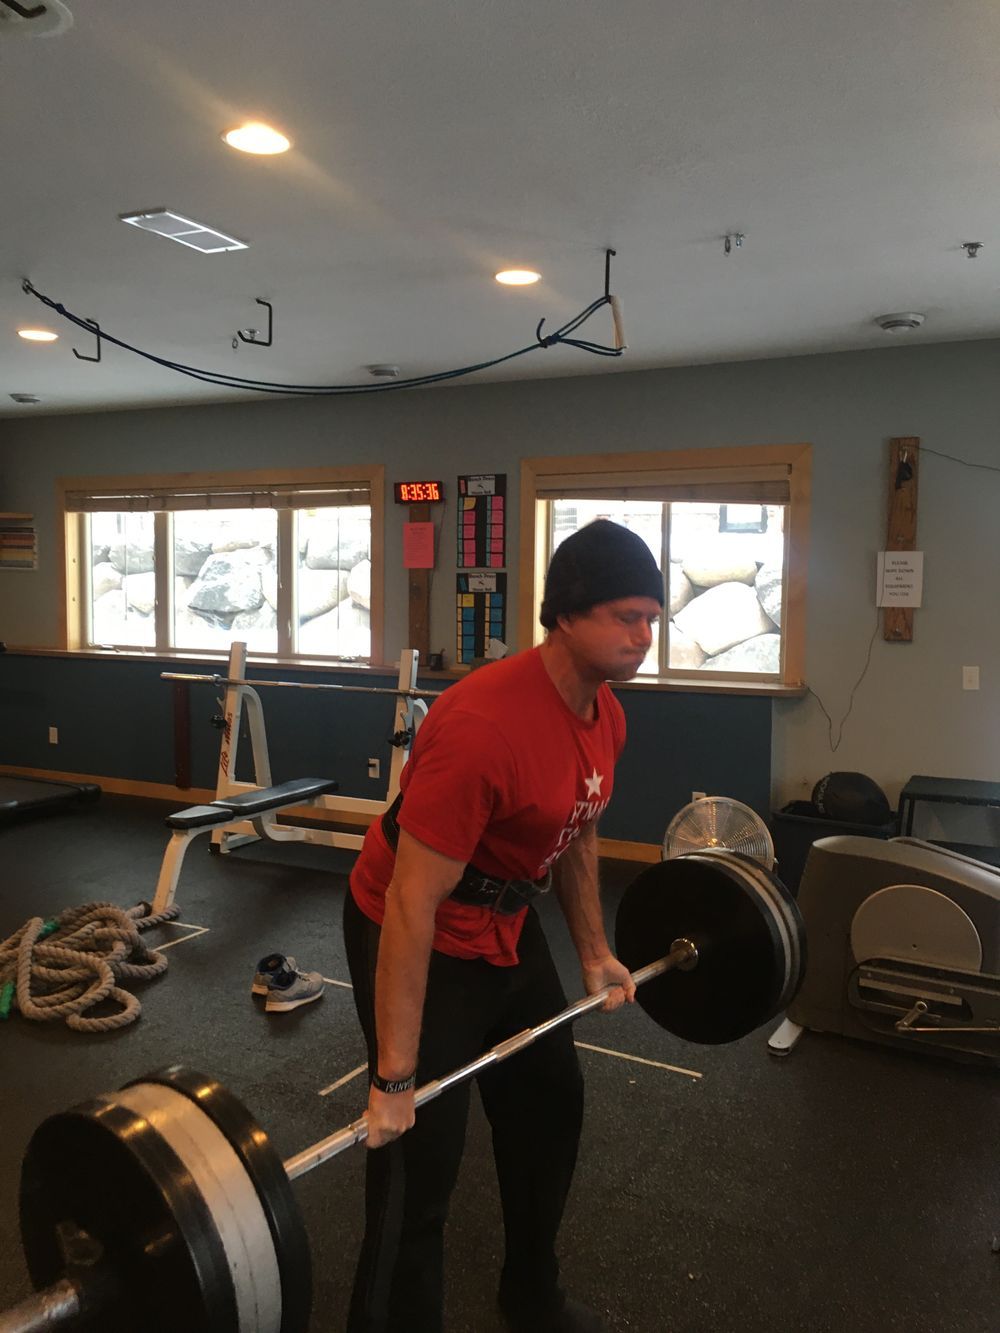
{"x":116,"y":719}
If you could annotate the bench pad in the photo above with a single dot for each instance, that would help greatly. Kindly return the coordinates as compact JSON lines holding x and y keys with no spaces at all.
{"x":198,"y":816}
{"x":295,"y":792}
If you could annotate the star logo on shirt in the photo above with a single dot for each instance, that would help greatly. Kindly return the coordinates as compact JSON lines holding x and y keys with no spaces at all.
{"x":594,"y":783}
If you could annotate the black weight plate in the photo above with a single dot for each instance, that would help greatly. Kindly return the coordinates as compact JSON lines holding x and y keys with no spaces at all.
{"x":106,"y":1171}
{"x":270,"y":1179}
{"x":786,"y":911}
{"x":744,"y":969}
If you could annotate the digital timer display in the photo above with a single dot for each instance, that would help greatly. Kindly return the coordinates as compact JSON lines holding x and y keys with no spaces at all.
{"x":418,"y":492}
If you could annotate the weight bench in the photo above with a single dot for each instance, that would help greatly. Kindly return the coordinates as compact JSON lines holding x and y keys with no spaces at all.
{"x":250,"y":805}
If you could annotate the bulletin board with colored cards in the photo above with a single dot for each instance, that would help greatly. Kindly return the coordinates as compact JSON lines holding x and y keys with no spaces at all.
{"x":481,"y":603}
{"x":482,"y":521}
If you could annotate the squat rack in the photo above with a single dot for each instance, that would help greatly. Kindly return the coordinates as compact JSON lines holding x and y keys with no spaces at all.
{"x":410,"y":711}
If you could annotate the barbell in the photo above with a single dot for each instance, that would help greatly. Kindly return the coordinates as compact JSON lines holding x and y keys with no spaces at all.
{"x":167,"y":1198}
{"x":192,"y":678}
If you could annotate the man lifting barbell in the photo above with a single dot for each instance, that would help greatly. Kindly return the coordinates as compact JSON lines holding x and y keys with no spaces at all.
{"x":501,"y":795}
{"x":170,"y":1186}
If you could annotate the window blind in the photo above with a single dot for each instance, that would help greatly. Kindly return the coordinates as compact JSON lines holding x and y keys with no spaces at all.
{"x":749,"y":485}
{"x":174,"y":499}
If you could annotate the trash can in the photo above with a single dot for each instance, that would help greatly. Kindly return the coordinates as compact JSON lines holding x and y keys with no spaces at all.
{"x":796,"y":826}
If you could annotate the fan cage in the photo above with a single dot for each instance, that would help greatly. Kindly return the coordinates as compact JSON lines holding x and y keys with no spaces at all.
{"x":719,"y":821}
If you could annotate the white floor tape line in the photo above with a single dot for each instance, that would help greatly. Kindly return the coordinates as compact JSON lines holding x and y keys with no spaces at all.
{"x":196,"y":931}
{"x":639,"y":1060}
{"x":325,"y":1092}
{"x":600,"y":1050}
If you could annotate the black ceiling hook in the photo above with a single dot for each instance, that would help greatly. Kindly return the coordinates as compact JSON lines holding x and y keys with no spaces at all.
{"x":253,"y":340}
{"x":94,"y":325}
{"x":35,"y":12}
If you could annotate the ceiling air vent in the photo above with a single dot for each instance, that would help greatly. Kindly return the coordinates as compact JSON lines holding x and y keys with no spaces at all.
{"x":34,"y":20}
{"x":174,"y":227}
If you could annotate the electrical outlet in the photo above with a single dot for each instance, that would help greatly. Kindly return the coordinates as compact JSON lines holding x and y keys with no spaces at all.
{"x":53,"y":735}
{"x":697,"y":796}
{"x":374,"y":768}
{"x":970,"y":678}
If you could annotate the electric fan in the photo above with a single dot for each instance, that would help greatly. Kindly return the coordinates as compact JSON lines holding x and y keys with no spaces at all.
{"x":719,"y":821}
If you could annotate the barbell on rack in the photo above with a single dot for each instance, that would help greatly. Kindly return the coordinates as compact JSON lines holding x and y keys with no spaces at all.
{"x":164,"y":1206}
{"x":191,"y":678}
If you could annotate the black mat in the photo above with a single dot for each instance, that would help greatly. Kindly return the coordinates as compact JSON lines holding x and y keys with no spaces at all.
{"x":843,"y":1188}
{"x":21,"y":795}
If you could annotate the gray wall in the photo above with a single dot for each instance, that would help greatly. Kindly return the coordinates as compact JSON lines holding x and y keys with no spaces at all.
{"x":910,"y":714}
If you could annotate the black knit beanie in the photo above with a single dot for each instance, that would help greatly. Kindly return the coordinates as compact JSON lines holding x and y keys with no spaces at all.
{"x":600,"y":563}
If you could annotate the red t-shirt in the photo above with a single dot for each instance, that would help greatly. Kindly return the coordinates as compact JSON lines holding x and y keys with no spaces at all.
{"x":503,"y":775}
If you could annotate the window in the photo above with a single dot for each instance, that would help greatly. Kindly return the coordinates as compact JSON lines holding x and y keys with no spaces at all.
{"x":728,"y":527}
{"x":193,"y":563}
{"x":225,"y":578}
{"x":122,"y":592}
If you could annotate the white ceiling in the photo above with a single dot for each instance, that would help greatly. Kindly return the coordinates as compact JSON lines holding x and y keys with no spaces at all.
{"x":854,"y":142}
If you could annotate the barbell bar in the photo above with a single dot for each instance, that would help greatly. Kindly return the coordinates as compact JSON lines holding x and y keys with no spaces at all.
{"x":683,"y":953}
{"x":191,"y":678}
{"x":170,"y":1186}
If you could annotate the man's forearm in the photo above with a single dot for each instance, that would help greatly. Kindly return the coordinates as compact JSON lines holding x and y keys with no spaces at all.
{"x":401,"y":982}
{"x":576,"y":887}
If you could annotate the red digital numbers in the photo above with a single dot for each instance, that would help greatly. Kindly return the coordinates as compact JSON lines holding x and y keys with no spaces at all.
{"x":418,"y":492}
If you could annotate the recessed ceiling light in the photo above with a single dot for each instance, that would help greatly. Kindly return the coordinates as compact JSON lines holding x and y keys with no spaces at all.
{"x":518,"y":277}
{"x":38,"y":335}
{"x":175,"y":227}
{"x":257,"y":138}
{"x":26,"y":398}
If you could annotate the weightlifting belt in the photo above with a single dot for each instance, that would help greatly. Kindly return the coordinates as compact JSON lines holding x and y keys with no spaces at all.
{"x":476,"y":888}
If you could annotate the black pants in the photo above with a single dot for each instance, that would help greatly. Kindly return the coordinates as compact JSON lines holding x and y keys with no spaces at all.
{"x":534,"y":1103}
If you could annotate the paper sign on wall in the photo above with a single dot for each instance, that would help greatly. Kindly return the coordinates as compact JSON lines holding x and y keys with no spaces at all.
{"x":418,"y":545}
{"x":900,"y":578}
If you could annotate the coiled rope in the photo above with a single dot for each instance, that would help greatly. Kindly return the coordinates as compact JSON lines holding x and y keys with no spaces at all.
{"x":60,"y":968}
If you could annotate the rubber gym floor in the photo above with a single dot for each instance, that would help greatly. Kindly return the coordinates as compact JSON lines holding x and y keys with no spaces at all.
{"x":845,"y":1187}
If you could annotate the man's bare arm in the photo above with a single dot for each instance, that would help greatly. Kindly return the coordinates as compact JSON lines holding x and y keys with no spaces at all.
{"x":422,"y":879}
{"x":575,"y":880}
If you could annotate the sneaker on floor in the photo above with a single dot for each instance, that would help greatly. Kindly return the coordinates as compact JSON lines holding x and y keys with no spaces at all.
{"x":288,"y":989}
{"x":572,"y":1317}
{"x":267,"y":968}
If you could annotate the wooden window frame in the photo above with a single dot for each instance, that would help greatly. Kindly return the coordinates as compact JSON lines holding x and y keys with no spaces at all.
{"x":719,"y":464}
{"x":72,"y":575}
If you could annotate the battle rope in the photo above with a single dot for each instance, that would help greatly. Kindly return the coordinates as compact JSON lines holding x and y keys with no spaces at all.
{"x":62,"y":967}
{"x":227,"y":381}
